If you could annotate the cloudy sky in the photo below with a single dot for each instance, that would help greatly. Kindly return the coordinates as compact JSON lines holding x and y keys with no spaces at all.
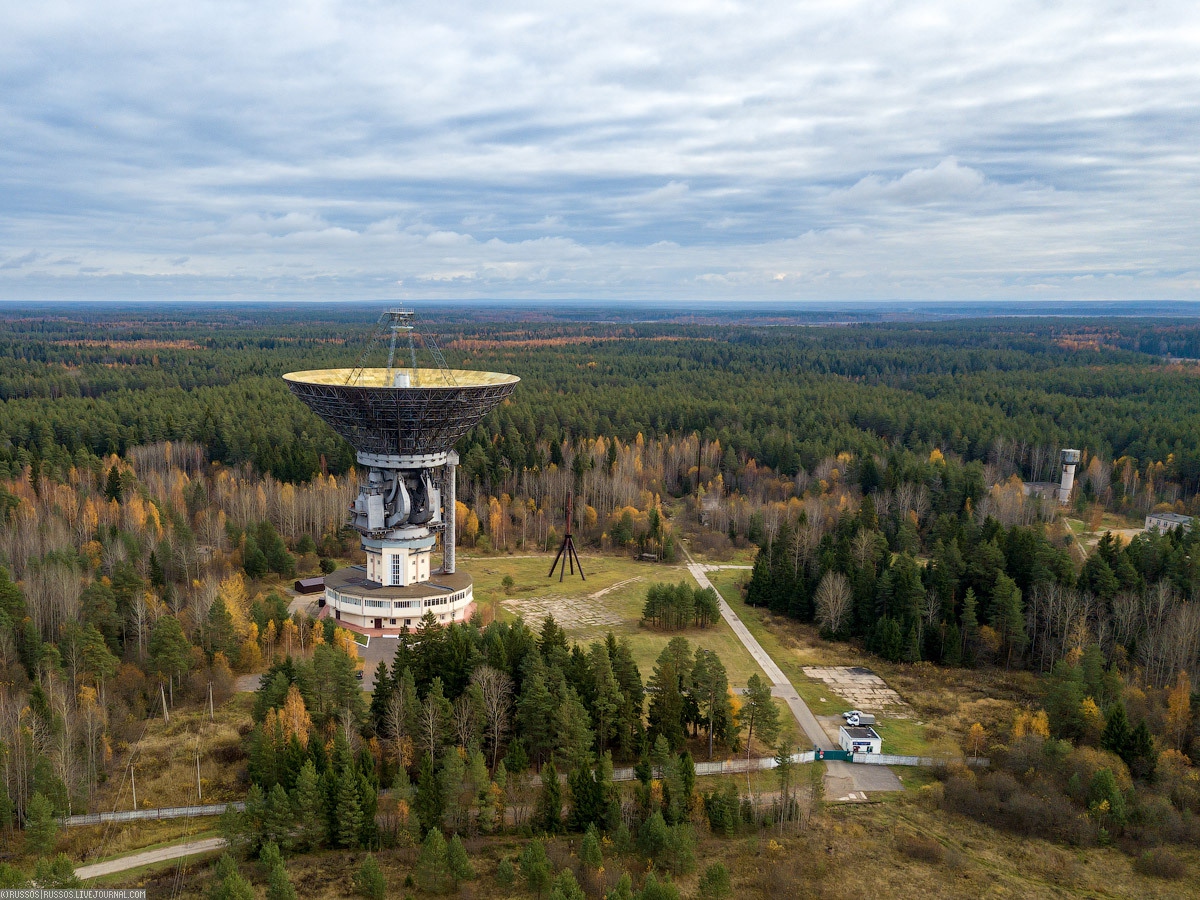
{"x":677,"y":150}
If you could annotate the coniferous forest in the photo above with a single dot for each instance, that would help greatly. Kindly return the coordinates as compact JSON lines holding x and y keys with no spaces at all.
{"x":157,"y":480}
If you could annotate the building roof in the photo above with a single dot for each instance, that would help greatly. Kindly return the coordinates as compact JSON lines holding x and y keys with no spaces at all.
{"x":353,"y":580}
{"x":861,"y":732}
{"x":1170,"y":517}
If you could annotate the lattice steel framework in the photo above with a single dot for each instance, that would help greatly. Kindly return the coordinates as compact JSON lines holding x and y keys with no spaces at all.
{"x":400,"y":421}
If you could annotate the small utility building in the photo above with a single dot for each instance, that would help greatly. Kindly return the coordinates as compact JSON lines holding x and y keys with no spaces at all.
{"x":859,"y":739}
{"x":1164,"y":522}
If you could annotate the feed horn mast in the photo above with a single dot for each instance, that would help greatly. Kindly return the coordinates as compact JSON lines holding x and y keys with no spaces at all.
{"x":402,"y":422}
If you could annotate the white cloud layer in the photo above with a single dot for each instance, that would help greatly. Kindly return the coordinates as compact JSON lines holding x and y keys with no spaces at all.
{"x":808,"y":150}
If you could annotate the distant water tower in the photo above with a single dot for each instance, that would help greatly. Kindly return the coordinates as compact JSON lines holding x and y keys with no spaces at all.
{"x":1070,"y":459}
{"x":403,"y":422}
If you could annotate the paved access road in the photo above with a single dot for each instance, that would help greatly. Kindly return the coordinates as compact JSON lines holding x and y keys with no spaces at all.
{"x":842,"y":779}
{"x":146,"y":857}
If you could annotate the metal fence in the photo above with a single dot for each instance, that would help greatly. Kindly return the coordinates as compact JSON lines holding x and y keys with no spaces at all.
{"x":627,"y":773}
{"x":166,"y":812}
{"x":931,"y":762}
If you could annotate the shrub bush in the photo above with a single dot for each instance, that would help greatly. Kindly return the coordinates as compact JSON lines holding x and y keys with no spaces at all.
{"x":1160,"y":863}
{"x":916,"y":846}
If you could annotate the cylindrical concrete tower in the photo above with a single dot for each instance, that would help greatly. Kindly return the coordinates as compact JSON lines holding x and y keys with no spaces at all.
{"x":1070,"y":459}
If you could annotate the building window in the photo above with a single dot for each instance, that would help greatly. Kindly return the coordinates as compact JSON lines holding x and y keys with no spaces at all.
{"x":396,"y":569}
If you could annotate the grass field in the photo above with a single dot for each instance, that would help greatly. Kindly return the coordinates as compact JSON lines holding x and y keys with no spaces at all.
{"x":165,"y":760}
{"x":613,"y":595}
{"x":945,"y":702}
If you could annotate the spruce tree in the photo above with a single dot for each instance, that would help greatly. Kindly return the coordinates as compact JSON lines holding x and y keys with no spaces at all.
{"x":309,"y":804}
{"x":1115,"y":738}
{"x":428,"y":804}
{"x":912,"y":645}
{"x":970,"y":627}
{"x":1140,"y":754}
{"x":548,"y":816}
{"x":278,"y":817}
{"x":348,"y":809}
{"x":573,"y":734}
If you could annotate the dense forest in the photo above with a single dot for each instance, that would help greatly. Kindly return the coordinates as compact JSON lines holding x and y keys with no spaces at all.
{"x":156,"y":476}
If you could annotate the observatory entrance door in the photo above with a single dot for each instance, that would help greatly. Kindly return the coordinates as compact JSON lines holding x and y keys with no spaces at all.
{"x":379,"y":623}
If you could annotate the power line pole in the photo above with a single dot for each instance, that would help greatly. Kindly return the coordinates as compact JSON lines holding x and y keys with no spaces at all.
{"x":133,"y":781}
{"x":162,"y":691}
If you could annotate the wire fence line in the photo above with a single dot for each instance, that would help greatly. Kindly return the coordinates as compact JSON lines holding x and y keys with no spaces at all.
{"x":626,"y":773}
{"x":166,"y":812}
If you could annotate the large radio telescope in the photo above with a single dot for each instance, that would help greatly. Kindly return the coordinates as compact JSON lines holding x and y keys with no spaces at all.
{"x":402,"y":422}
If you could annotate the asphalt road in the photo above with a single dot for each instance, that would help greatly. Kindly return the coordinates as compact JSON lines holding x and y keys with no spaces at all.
{"x":146,"y":857}
{"x":842,"y":779}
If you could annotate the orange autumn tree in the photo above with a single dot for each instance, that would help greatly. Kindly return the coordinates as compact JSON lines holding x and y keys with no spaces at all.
{"x":294,"y":717}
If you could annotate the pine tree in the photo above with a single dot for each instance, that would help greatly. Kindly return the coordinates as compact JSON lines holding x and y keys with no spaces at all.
{"x":710,"y":687}
{"x":566,"y":887}
{"x":536,"y":868}
{"x":653,"y":889}
{"x":590,"y":853}
{"x":433,"y":863}
{"x":113,"y":488}
{"x":671,"y":677}
{"x":759,"y":716}
{"x":714,"y":883}
{"x":41,"y":829}
{"x":505,"y":875}
{"x":228,"y":883}
{"x":1008,"y":616}
{"x":279,"y":886}
{"x":458,"y":864}
{"x":369,"y":881}
{"x":56,"y":874}
{"x":455,"y":808}
{"x":607,"y":701}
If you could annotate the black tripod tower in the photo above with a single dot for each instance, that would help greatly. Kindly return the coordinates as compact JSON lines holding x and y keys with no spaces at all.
{"x":567,"y":551}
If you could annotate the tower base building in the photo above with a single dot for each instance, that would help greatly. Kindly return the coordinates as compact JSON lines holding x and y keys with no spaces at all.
{"x":362,"y":604}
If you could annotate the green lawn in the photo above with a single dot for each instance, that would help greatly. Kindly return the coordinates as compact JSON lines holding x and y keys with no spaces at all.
{"x":819,"y":698}
{"x":621,"y":584}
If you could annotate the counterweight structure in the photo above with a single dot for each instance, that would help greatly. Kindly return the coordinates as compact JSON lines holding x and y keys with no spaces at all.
{"x":402,"y":424}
